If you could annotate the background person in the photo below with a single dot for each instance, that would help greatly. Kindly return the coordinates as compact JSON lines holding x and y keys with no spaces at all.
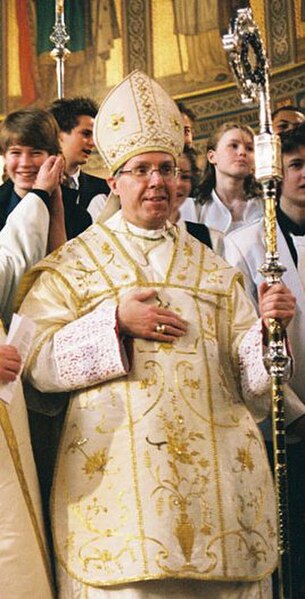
{"x":286,"y":118}
{"x":188,"y":121}
{"x":187,"y":181}
{"x":245,"y":249}
{"x":75,"y":118}
{"x":28,"y":138}
{"x":24,"y":562}
{"x":228,"y":195}
{"x":30,"y":148}
{"x":25,"y":239}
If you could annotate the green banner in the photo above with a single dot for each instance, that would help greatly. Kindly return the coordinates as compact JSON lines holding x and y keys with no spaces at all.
{"x":77,"y":21}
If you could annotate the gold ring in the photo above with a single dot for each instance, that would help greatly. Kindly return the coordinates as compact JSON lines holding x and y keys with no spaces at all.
{"x":160,"y":328}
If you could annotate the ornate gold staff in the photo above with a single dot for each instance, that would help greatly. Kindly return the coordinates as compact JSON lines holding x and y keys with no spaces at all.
{"x":248,"y":61}
{"x":59,"y":38}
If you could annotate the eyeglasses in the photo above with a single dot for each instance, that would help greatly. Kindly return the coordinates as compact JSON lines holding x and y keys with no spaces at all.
{"x":144,"y":171}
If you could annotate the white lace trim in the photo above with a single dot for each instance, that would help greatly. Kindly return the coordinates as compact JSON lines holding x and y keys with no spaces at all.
{"x":255,"y":379}
{"x":88,"y":350}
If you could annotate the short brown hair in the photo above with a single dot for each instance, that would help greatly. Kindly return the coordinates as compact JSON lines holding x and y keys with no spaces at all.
{"x":30,"y":127}
{"x":68,"y":111}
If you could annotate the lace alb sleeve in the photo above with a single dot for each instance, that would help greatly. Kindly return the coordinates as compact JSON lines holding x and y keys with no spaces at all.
{"x":88,"y":351}
{"x":254,"y":377}
{"x":255,"y":380}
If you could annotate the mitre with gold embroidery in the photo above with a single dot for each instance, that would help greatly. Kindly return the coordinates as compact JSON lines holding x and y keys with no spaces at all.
{"x":137,"y":116}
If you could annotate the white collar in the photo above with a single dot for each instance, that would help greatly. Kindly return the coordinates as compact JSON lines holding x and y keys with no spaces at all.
{"x":215,"y":214}
{"x":117,"y":223}
{"x":75,"y":178}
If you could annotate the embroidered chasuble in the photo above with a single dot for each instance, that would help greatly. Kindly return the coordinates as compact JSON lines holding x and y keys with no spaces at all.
{"x":24,"y":567}
{"x":161,"y":470}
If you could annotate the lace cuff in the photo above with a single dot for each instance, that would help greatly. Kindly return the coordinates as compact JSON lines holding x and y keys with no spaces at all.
{"x":88,"y":351}
{"x":255,"y":379}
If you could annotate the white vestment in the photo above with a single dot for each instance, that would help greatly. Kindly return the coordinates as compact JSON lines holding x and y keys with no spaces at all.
{"x":214,"y":213}
{"x":23,"y":242}
{"x":161,"y":471}
{"x":245,"y":249}
{"x":96,"y":205}
{"x":24,"y":566}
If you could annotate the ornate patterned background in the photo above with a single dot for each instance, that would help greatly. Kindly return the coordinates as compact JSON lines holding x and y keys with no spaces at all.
{"x":283,"y":33}
{"x":141,"y":45}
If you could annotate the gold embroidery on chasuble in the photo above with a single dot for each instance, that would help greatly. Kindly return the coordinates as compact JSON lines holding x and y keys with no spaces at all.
{"x":17,"y":466}
{"x":163,"y":473}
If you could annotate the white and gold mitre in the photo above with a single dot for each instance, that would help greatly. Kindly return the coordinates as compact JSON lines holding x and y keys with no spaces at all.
{"x":137,"y":116}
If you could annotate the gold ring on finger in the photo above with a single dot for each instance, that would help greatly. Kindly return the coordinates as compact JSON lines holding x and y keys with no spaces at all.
{"x":160,"y":328}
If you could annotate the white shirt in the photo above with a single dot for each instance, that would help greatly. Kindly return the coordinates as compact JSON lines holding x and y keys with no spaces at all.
{"x":189,"y":210}
{"x":96,"y":205}
{"x":214,"y":213}
{"x":23,"y":242}
{"x":72,"y":181}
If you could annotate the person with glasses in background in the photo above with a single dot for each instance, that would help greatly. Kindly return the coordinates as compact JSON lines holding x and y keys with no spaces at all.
{"x":187,"y":181}
{"x":162,"y":486}
{"x":188,"y":121}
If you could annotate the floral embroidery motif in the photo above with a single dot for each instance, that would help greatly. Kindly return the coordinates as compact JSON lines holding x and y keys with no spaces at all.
{"x":180,"y":491}
{"x":244,"y":456}
{"x":70,"y":542}
{"x":106,"y":249}
{"x":95,"y":462}
{"x":188,"y":254}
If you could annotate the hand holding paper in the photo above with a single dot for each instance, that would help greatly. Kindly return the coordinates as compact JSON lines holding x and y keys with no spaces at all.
{"x":18,"y":344}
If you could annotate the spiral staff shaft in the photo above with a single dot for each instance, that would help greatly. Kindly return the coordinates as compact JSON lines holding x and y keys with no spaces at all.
{"x":249,"y":64}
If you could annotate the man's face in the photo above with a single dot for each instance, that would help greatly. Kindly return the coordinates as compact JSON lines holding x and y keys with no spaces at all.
{"x":188,"y":130}
{"x":285,"y":120}
{"x":78,"y":144}
{"x":146,"y":201}
{"x":293,"y":188}
{"x":22,"y":165}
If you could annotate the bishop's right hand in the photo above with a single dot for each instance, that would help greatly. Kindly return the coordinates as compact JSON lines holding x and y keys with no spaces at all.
{"x":138,"y":318}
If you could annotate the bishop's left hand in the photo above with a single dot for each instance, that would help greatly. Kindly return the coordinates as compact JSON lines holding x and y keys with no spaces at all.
{"x":276,"y":301}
